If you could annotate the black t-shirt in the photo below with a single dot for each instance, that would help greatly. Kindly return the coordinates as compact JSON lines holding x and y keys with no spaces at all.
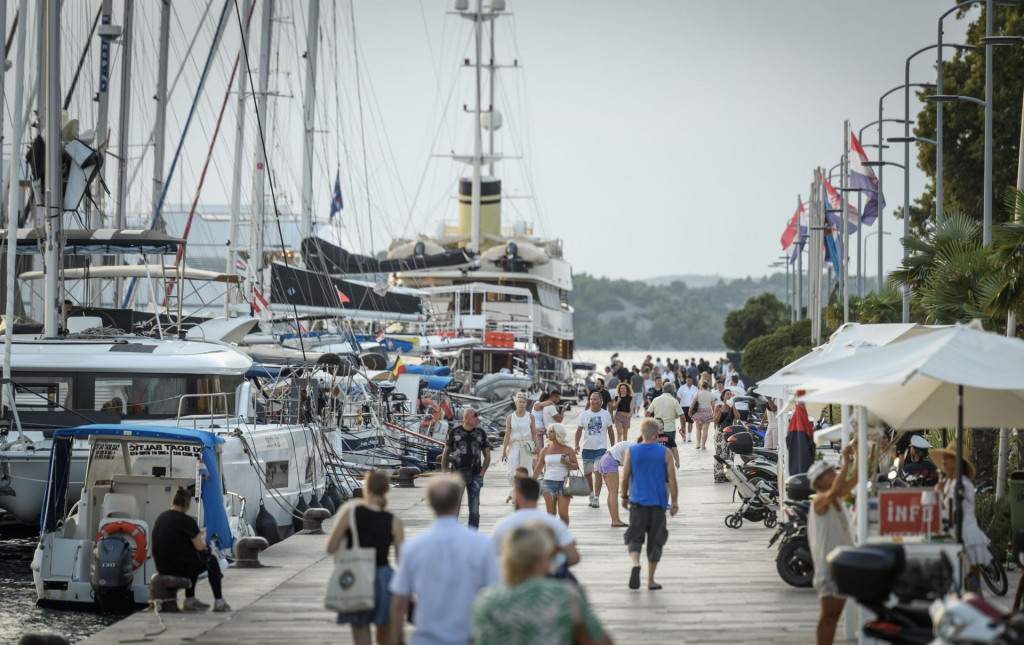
{"x":625,"y":404}
{"x":622,"y":373}
{"x":667,"y":438}
{"x":374,"y":530}
{"x":653,"y":393}
{"x":466,"y":449}
{"x":171,"y":540}
{"x":606,"y":398}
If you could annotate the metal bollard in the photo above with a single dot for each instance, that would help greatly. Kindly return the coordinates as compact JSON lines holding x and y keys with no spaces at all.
{"x":407,"y":477}
{"x":247,"y":552}
{"x":313,"y":519}
{"x":163,"y":592}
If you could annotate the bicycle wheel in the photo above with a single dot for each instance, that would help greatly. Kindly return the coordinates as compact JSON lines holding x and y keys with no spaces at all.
{"x":994,"y":575}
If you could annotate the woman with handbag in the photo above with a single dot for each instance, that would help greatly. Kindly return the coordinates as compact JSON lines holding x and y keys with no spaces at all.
{"x":375,"y":529}
{"x":702,"y":410}
{"x":724,"y":417}
{"x":556,"y":459}
{"x":519,"y":444}
{"x":532,"y":607}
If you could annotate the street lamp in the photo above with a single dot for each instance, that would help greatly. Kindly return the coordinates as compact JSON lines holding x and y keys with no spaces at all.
{"x":952,"y":98}
{"x":911,"y":140}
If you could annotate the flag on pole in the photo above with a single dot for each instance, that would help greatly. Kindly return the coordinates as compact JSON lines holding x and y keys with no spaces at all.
{"x":342,"y":298}
{"x":399,"y":368}
{"x":863,"y":177}
{"x":834,"y":202}
{"x":379,"y":336}
{"x":259,"y":303}
{"x":240,"y":266}
{"x":336,"y":202}
{"x":796,"y":229}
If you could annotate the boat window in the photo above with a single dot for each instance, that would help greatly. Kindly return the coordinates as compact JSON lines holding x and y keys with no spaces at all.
{"x":43,"y":393}
{"x":159,"y":395}
{"x":277,"y":474}
{"x":105,"y":461}
{"x":153,"y":459}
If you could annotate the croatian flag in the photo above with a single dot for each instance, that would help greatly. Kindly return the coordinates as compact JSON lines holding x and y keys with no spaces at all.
{"x":202,"y":471}
{"x":863,"y":177}
{"x":336,"y":202}
{"x":796,"y":229}
{"x":835,"y":203}
{"x":379,"y":336}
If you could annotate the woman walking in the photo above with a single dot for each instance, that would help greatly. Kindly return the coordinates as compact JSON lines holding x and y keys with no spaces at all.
{"x":702,"y":411}
{"x":724,"y":417}
{"x":975,"y":541}
{"x":622,"y":406}
{"x":520,"y":442}
{"x":556,"y":460}
{"x":609,"y":469}
{"x":379,"y":529}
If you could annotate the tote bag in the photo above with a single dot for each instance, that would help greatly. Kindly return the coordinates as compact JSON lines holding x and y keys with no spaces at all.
{"x":576,"y":485}
{"x":351,"y":585}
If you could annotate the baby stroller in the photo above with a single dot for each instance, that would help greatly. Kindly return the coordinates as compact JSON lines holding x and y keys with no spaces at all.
{"x":759,"y":500}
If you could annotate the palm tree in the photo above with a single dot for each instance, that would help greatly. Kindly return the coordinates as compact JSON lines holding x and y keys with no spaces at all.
{"x":1004,"y":287}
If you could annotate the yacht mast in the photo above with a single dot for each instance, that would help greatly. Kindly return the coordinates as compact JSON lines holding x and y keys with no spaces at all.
{"x":492,"y":69}
{"x":106,"y":35}
{"x":236,"y":183}
{"x":54,"y":148}
{"x":309,"y":117}
{"x":257,"y":214}
{"x":161,"y":113}
{"x":123,"y":127}
{"x":474,"y":242}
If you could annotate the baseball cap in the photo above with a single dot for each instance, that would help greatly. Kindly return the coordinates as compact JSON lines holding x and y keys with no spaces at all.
{"x":816,"y":470}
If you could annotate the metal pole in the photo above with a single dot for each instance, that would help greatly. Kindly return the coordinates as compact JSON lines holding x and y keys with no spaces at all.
{"x":986,"y":235}
{"x":54,"y":150}
{"x":123,"y":126}
{"x":845,"y":221}
{"x":938,"y":128}
{"x":103,"y":109}
{"x":799,"y":280}
{"x":236,"y":183}
{"x":492,"y":70}
{"x":860,"y":242}
{"x":474,"y":242}
{"x":257,"y":212}
{"x":309,"y":118}
{"x":906,"y":184}
{"x":159,"y":126}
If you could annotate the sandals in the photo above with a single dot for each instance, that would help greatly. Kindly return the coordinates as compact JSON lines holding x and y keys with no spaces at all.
{"x":619,"y":525}
{"x":634,"y":578}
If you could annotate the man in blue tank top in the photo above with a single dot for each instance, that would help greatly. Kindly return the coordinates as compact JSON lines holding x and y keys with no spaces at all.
{"x":648,"y":482}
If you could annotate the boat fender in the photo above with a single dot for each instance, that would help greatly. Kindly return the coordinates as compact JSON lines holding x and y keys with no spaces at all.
{"x":163,"y":592}
{"x":297,"y":513}
{"x":313,"y":520}
{"x":327,"y":503}
{"x":43,"y":638}
{"x":334,"y":494}
{"x":247,"y":551}
{"x":266,"y":526}
{"x":133,"y":531}
{"x":314,"y":502}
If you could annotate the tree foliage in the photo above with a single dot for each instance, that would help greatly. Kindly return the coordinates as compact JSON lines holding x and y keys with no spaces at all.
{"x":765,"y":355}
{"x":760,"y":315}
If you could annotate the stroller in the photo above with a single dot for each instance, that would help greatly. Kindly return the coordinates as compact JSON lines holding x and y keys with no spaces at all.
{"x":759,"y":499}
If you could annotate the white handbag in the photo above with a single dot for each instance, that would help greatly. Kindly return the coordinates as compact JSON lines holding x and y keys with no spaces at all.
{"x":351,"y":585}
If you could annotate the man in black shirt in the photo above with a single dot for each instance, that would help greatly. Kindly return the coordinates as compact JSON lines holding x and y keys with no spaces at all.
{"x":468,"y":452}
{"x":180,"y":549}
{"x":606,"y":397}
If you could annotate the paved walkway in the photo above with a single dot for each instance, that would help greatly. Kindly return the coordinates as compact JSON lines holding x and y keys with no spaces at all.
{"x":720,"y":585}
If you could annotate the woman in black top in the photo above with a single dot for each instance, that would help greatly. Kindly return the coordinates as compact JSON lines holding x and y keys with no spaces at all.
{"x":622,"y":409}
{"x":724,"y":417}
{"x":379,"y":529}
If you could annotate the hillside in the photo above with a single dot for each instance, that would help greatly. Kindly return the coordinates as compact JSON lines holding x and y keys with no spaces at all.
{"x":623,"y":314}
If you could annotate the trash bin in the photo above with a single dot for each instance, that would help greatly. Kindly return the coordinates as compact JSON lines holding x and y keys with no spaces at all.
{"x":1017,"y":500}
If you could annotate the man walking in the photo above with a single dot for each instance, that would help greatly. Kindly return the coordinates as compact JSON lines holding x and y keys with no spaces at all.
{"x":686,"y":393}
{"x":526,"y":496}
{"x":468,"y":452}
{"x":606,"y":396}
{"x":445,"y":568}
{"x":666,"y":409}
{"x":597,"y":431}
{"x":637,"y":383}
{"x":648,"y":487}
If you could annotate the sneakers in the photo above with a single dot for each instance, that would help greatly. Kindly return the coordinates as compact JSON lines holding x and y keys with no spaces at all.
{"x":221,"y":605}
{"x":194,"y":604}
{"x":595,"y":502}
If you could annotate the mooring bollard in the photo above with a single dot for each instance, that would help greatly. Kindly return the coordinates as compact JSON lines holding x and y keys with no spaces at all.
{"x":44,"y":638}
{"x":247,"y":552}
{"x":313,"y":519}
{"x":357,"y":492}
{"x":407,"y":477}
{"x":163,"y":592}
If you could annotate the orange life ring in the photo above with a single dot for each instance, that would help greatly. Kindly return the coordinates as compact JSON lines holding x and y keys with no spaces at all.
{"x":435,"y":412}
{"x":132,"y":530}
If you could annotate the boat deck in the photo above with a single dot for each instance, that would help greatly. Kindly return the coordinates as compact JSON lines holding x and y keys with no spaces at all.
{"x":720,"y":585}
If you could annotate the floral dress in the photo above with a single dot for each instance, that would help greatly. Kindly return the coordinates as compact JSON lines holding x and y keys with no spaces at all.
{"x":537,"y":611}
{"x":721,"y":447}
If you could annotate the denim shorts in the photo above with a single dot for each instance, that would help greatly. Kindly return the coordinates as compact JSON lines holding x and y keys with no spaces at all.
{"x":590,"y":459}
{"x":553,"y":487}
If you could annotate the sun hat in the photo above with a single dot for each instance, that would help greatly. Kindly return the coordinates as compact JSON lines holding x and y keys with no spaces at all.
{"x":950,"y":449}
{"x":816,"y":470}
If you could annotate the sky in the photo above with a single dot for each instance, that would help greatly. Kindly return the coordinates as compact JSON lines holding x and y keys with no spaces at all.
{"x":653,"y":137}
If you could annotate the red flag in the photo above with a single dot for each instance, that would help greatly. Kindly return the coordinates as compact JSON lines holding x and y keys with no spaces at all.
{"x":342,"y":297}
{"x":258,"y":301}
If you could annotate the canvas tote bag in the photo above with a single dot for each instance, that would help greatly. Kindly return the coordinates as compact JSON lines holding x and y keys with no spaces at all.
{"x":351,"y":585}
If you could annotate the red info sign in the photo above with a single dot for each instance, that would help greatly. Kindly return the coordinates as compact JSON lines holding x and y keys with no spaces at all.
{"x":908,"y":511}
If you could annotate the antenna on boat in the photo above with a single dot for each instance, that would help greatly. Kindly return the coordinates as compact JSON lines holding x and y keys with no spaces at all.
{"x":54,"y":149}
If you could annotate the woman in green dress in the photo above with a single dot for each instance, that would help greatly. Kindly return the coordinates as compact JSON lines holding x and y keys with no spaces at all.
{"x":531,"y":608}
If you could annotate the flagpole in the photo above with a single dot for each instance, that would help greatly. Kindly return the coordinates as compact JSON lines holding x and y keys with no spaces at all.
{"x":845,"y":219}
{"x":799,"y":266}
{"x":860,"y":240}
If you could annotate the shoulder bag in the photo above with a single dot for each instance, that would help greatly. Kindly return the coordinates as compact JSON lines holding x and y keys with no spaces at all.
{"x":351,"y":585}
{"x":576,"y":485}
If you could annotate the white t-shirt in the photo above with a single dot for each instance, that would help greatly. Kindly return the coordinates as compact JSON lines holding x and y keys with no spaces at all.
{"x":669,"y":377}
{"x":648,"y":384}
{"x":549,"y":416}
{"x":595,"y":429}
{"x":525,"y":516}
{"x":619,"y":450}
{"x":686,"y":394}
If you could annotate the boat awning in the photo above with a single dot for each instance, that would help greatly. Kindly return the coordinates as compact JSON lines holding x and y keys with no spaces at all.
{"x":99,"y":241}
{"x":150,"y":432}
{"x":140,"y":271}
{"x":334,"y":260}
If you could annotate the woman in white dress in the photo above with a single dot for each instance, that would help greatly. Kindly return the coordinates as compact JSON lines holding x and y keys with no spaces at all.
{"x":520,"y":439}
{"x":975,"y":540}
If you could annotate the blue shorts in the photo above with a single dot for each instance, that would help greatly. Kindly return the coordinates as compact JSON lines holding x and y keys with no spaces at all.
{"x":553,"y":487}
{"x":590,"y":459}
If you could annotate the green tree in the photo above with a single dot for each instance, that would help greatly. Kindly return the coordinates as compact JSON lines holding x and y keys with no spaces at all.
{"x":759,"y":316}
{"x":964,"y":124}
{"x":766,"y":354}
{"x":1005,"y":288}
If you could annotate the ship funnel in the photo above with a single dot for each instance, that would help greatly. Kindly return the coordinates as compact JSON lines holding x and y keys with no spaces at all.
{"x":490,"y":209}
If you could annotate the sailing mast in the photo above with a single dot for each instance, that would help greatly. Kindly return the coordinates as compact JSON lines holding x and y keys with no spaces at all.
{"x":123,"y":127}
{"x":309,"y":118}
{"x":54,"y":148}
{"x":257,"y":214}
{"x":230,"y":266}
{"x":161,"y":113}
{"x":474,"y":242}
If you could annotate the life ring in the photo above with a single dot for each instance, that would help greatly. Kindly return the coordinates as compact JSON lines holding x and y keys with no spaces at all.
{"x":435,"y":412}
{"x":134,"y":531}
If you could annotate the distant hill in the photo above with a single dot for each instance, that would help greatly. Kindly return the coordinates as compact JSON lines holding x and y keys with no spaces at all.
{"x":692,"y":281}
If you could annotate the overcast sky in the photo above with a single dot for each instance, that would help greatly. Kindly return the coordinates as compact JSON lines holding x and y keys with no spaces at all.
{"x":653,"y":136}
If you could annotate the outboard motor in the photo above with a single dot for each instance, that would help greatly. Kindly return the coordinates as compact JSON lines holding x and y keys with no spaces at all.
{"x":111,"y":572}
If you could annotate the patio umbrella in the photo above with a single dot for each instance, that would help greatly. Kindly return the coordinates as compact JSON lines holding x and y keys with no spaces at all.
{"x":960,"y":372}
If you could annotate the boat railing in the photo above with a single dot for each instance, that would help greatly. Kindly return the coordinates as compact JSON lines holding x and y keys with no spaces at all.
{"x":212,"y":396}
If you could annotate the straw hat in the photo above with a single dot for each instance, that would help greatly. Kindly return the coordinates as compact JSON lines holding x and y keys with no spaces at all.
{"x":950,"y":449}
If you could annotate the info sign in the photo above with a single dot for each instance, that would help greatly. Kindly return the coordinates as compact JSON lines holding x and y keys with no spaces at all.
{"x":909,"y":511}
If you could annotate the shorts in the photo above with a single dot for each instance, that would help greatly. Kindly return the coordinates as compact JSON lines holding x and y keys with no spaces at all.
{"x":380,"y":615}
{"x":622,"y":420}
{"x":668,"y":438}
{"x":828,"y":589}
{"x":553,"y":487}
{"x":607,"y":465}
{"x":590,"y":459}
{"x":638,"y":400}
{"x":686,"y":414}
{"x":646,"y":523}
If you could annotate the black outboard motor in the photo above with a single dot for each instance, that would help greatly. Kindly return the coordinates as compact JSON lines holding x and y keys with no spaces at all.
{"x":111,"y":573}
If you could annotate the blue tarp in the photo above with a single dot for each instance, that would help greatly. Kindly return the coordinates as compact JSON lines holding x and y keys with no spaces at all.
{"x":436,"y":382}
{"x":54,"y":498}
{"x":429,"y":370}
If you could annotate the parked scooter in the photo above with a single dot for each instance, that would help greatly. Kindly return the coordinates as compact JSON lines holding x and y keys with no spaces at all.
{"x":793,"y":560}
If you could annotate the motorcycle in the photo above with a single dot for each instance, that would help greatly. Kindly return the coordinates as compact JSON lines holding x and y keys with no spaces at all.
{"x":793,"y":561}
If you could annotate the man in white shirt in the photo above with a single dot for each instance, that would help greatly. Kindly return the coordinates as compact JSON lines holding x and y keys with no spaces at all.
{"x":736,"y":385}
{"x":686,"y":393}
{"x":526,"y":496}
{"x":445,"y":568}
{"x":596,"y":428}
{"x":553,"y":413}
